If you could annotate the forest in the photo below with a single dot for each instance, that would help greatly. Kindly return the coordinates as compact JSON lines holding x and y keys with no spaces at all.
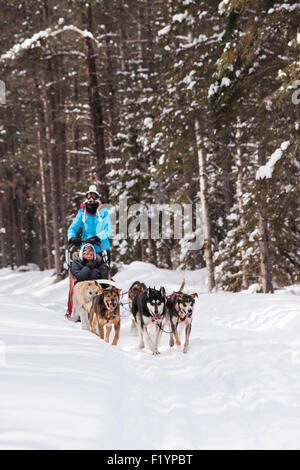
{"x":156,"y":102}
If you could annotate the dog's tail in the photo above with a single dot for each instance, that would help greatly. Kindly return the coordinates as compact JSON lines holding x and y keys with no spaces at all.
{"x":182,"y":286}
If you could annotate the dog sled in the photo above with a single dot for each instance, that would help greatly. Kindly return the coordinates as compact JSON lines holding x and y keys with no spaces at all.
{"x":104,"y":282}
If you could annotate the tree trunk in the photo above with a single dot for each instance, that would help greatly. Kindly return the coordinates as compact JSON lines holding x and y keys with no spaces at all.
{"x":208,"y":254}
{"x":96,"y":108}
{"x":44,"y":203}
{"x":265,"y":262}
{"x":51,"y":141}
{"x":239,"y":195}
{"x":227,"y":185}
{"x":59,"y":103}
{"x":111,"y":95}
{"x":2,"y":233}
{"x":265,"y":266}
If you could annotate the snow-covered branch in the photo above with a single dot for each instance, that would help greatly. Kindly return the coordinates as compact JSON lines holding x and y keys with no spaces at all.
{"x":34,"y":41}
{"x":266,"y":170}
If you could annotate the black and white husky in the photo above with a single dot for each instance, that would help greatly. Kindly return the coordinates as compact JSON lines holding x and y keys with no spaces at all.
{"x":149,"y":309}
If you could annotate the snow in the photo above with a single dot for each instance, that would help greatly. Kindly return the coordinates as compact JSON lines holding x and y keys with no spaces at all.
{"x":33,"y":41}
{"x":164,"y":30}
{"x":222,"y":6}
{"x":179,"y":17}
{"x":213,"y":89}
{"x":266,"y":171}
{"x":148,"y":122}
{"x":225,"y":81}
{"x":64,"y":388}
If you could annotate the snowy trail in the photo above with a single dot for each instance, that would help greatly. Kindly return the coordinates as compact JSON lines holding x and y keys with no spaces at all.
{"x":63,"y":388}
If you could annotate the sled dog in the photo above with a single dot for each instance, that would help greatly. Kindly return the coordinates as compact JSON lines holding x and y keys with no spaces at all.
{"x":179,"y":311}
{"x":148,"y":309}
{"x":83,"y":292}
{"x":136,"y":288}
{"x":104,"y":310}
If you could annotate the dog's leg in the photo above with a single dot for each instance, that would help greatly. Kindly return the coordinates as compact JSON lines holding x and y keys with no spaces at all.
{"x":172,"y":326}
{"x":140,"y":330}
{"x":107,"y":333}
{"x":149,"y":340}
{"x":85,"y":323}
{"x":117,"y":325}
{"x":187,"y":337}
{"x":74,"y":316}
{"x":178,"y":342}
{"x":159,"y":331}
{"x":100,"y":327}
{"x":88,"y":308}
{"x":93,"y":320}
{"x":133,"y":328}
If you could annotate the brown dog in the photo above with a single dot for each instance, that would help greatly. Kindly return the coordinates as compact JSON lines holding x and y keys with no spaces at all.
{"x":104,"y":310}
{"x":136,"y":288}
{"x":180,"y":308}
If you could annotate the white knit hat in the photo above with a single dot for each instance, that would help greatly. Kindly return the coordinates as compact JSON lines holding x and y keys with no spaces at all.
{"x":92,"y":189}
{"x":86,"y":247}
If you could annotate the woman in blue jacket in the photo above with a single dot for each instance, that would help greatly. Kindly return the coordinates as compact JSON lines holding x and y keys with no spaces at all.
{"x":94,"y":221}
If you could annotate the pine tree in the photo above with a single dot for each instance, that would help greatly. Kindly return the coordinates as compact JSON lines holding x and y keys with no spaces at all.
{"x":251,"y":61}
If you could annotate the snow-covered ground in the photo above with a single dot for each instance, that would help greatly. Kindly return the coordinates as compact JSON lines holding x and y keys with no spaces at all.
{"x":64,"y":388}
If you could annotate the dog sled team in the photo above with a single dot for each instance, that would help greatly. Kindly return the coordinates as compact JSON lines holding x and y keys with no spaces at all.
{"x":95,"y":299}
{"x":152,"y":312}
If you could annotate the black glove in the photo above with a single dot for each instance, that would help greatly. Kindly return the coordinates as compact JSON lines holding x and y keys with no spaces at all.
{"x":93,"y":240}
{"x":91,"y":264}
{"x":74,"y":241}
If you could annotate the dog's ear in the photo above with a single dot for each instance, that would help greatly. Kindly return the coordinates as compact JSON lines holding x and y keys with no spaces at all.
{"x":193,"y":295}
{"x":162,"y":291}
{"x":179,"y":294}
{"x":115,"y":289}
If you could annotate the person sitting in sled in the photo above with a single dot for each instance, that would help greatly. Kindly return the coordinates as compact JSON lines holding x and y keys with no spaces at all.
{"x":86,"y":265}
{"x":95,"y":223}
